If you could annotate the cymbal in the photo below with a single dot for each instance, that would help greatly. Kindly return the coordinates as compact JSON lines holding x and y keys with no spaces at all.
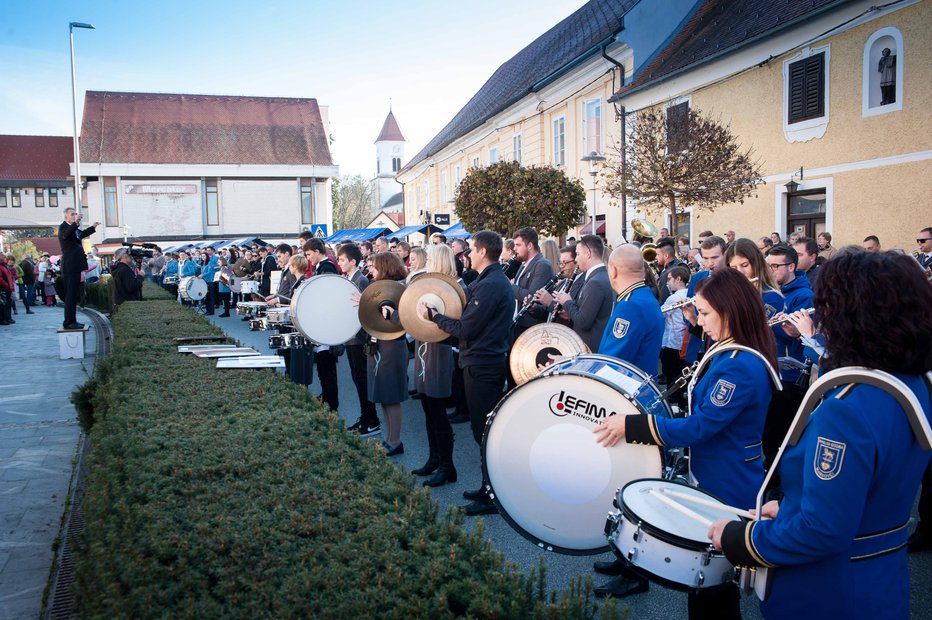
{"x":238,"y":268}
{"x":373,"y":298}
{"x":533,"y":347}
{"x":435,"y":289}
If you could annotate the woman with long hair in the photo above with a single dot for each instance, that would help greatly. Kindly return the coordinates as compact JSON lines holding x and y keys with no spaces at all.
{"x":744,"y":256}
{"x":433,"y":373}
{"x":850,"y":480}
{"x":551,"y":251}
{"x":387,"y":363}
{"x":417,"y":263}
{"x":728,"y":404}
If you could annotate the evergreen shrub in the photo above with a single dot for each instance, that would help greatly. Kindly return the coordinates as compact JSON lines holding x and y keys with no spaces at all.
{"x":218,"y":494}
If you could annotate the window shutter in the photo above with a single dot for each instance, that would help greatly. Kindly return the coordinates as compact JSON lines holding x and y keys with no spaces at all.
{"x":807,"y":89}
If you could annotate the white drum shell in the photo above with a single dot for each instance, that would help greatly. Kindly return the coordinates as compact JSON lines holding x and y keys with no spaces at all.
{"x":551,"y":479}
{"x":247,"y":287}
{"x":279,"y":315}
{"x":322,"y":309}
{"x":192,"y":288}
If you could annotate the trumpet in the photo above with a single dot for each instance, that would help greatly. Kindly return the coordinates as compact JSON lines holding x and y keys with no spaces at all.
{"x":564,"y":288}
{"x":786,"y":319}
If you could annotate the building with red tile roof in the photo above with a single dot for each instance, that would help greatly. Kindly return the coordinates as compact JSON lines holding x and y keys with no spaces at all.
{"x":35,"y":181}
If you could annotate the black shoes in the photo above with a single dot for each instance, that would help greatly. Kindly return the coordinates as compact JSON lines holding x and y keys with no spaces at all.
{"x":74,"y":326}
{"x":428,"y":468}
{"x":225,"y":315}
{"x":919,"y":541}
{"x":480,"y":507}
{"x":458,"y":418}
{"x":611,"y":569}
{"x":620,"y":587}
{"x":365,"y":430}
{"x":443,"y":476}
{"x":474,"y":494}
{"x":396,"y":451}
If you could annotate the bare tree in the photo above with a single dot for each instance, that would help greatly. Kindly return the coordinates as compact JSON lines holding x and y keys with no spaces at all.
{"x":681,"y":159}
{"x":352,"y":202}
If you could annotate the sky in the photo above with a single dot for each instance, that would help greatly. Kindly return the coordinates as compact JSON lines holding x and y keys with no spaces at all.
{"x":425,"y":59}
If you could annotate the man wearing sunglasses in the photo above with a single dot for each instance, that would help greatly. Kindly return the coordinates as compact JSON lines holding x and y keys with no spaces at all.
{"x":924,"y":252}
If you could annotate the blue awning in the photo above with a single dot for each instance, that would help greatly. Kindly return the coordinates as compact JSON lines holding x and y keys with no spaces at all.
{"x":457,"y":231}
{"x":424,"y":229}
{"x":357,"y":234}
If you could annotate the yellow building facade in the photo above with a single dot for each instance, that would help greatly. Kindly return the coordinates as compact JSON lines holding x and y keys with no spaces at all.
{"x":866,"y":164}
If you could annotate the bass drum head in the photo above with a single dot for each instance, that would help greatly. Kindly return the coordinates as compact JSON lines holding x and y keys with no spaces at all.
{"x":192,"y":288}
{"x":322,"y":309}
{"x":550,"y":479}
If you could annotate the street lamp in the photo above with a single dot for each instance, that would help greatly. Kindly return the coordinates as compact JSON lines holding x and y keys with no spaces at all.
{"x":74,"y":116}
{"x":593,"y":158}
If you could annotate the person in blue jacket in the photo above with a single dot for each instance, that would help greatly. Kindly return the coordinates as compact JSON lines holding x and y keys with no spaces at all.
{"x":187,"y":268}
{"x":635,"y":328}
{"x":838,"y":538}
{"x":712,"y":251}
{"x":728,"y":404}
{"x":171,"y":270}
{"x":208,"y":271}
{"x":745,"y":256}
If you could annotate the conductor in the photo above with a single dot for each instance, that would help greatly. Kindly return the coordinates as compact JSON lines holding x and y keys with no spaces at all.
{"x":73,"y":262}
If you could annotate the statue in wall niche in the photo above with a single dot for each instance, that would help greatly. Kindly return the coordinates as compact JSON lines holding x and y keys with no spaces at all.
{"x":887,"y":68}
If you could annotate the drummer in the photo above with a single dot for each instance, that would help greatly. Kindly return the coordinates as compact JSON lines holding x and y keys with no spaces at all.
{"x":838,"y":537}
{"x":728,"y":405}
{"x":324,"y":356}
{"x":283,"y":255}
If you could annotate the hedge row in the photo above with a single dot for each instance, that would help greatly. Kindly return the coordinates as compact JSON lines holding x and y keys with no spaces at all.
{"x":233,"y":494}
{"x":100,"y":296}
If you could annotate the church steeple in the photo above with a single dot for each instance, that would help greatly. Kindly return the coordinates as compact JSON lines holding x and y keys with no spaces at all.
{"x":391,"y":132}
{"x":390,"y":152}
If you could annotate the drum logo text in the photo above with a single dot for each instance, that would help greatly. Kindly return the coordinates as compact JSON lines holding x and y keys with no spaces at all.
{"x":564,"y":404}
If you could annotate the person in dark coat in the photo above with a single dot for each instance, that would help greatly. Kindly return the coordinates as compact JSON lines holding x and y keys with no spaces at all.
{"x":126,"y":280}
{"x":28,"y":291}
{"x":73,"y":262}
{"x":324,"y":357}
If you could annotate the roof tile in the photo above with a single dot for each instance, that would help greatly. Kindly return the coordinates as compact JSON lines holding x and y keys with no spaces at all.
{"x":35,"y":158}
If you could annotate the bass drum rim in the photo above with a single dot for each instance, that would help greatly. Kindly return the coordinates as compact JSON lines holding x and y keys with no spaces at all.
{"x":296,"y":315}
{"x":539,"y":542}
{"x":183,"y":289}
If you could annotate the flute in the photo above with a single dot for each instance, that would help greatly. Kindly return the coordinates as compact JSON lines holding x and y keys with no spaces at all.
{"x":786,"y":319}
{"x":689,"y":300}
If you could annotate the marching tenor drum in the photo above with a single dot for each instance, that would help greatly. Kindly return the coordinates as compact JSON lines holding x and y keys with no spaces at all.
{"x":278,"y":315}
{"x":662,"y":530}
{"x":323,"y":311}
{"x":547,"y":474}
{"x":249,"y":287}
{"x":192,"y":288}
{"x":168,"y":280}
{"x":251,"y":308}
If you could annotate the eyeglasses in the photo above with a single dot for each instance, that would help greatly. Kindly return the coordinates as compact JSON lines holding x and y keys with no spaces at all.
{"x":775,"y":266}
{"x":567,"y":262}
{"x":923,"y":240}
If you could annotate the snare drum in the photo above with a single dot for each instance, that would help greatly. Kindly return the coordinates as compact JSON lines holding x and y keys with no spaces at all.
{"x":279,"y":315}
{"x":277,"y":341}
{"x":549,"y":477}
{"x":322,"y":309}
{"x":169,"y":280}
{"x":192,"y":288}
{"x":251,"y":308}
{"x":662,"y":543}
{"x":249,"y":287}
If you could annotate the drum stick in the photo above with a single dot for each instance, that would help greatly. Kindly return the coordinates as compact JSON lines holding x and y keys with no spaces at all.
{"x":680,"y":507}
{"x":709,"y":503}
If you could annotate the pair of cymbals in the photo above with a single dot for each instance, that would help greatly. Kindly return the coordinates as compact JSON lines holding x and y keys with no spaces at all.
{"x":437,"y":290}
{"x":378,"y":294}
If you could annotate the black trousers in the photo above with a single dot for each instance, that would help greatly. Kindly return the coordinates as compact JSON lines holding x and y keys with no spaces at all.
{"x":327,"y":373}
{"x":925,"y":503}
{"x":210,"y":299}
{"x":673,"y":367}
{"x":356,"y":356}
{"x":225,"y":298}
{"x":72,"y":284}
{"x":439,"y":431}
{"x":780,"y":414}
{"x":483,"y":384}
{"x":722,"y":603}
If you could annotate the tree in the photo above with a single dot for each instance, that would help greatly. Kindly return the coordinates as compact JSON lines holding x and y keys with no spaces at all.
{"x":352,"y":202}
{"x":22,"y":248}
{"x":506,"y":196}
{"x":681,"y":159}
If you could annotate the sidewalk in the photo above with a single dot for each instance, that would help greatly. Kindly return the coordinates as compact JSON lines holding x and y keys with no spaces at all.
{"x":39,"y":434}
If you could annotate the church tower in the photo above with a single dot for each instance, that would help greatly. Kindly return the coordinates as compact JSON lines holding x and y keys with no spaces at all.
{"x":390,"y":152}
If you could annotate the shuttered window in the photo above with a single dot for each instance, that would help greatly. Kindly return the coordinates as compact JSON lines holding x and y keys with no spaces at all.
{"x":807,"y":89}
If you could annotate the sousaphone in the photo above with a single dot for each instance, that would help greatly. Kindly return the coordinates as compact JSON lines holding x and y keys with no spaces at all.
{"x":435,"y":289}
{"x":378,"y":294}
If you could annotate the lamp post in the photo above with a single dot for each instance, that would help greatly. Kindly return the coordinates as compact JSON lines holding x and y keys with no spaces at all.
{"x":74,"y":116}
{"x":593,"y":158}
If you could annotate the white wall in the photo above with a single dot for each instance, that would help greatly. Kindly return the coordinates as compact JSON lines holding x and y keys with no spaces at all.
{"x":149,"y":215}
{"x":260,"y":206}
{"x":49,"y":216}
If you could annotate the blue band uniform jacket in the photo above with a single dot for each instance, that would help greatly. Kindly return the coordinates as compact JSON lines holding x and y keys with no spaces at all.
{"x":839,"y":538}
{"x":634,"y":332}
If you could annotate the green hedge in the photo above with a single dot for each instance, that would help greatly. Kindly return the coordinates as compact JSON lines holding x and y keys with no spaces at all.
{"x":100,"y":296}
{"x":214,"y":494}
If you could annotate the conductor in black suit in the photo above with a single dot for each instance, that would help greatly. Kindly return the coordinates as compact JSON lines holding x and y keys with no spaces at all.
{"x":73,"y":262}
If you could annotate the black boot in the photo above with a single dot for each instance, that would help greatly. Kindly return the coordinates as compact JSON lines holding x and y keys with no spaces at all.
{"x":432,"y":460}
{"x":428,"y":468}
{"x":446,"y":472}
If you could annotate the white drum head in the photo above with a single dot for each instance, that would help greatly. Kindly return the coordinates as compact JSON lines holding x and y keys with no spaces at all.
{"x":248,"y":287}
{"x":550,"y":478}
{"x":322,"y":309}
{"x":657,"y":514}
{"x":192,"y":288}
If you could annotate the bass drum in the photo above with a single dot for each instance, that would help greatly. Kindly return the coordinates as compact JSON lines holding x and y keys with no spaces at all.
{"x":323,"y":310}
{"x":548,"y":476}
{"x":192,"y":288}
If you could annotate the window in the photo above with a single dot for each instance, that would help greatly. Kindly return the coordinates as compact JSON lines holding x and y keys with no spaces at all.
{"x":110,"y":202}
{"x":475,"y":162}
{"x":516,"y":148}
{"x":212,"y":199}
{"x":396,"y":164}
{"x":444,"y":187}
{"x":559,"y":141}
{"x":40,"y":197}
{"x":421,"y":196}
{"x":677,"y":127}
{"x":2,"y":197}
{"x":53,"y":197}
{"x":807,"y":89}
{"x":378,"y":166}
{"x":307,"y":201}
{"x":592,"y":126}
{"x":14,"y":195}
{"x":883,"y":73}
{"x":457,"y":177}
{"x":493,"y":156}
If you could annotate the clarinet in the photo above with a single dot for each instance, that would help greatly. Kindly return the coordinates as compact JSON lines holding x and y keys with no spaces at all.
{"x":565,"y":288}
{"x":530,"y":302}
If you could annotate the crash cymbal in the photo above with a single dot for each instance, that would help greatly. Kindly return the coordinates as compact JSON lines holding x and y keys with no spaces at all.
{"x":435,"y":289}
{"x":376,"y":295}
{"x":531,"y":351}
{"x":238,"y":268}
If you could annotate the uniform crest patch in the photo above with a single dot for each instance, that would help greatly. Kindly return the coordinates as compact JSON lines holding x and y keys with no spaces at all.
{"x":620,"y":328}
{"x":828,"y":458}
{"x":769,"y":311}
{"x":722,"y":393}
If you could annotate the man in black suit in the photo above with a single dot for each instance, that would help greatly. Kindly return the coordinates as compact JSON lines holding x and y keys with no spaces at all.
{"x":73,"y":262}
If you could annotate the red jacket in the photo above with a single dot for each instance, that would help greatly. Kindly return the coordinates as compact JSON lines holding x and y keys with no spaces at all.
{"x":7,"y":279}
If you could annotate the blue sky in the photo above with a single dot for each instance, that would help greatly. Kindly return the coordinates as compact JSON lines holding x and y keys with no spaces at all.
{"x":428,"y":58}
